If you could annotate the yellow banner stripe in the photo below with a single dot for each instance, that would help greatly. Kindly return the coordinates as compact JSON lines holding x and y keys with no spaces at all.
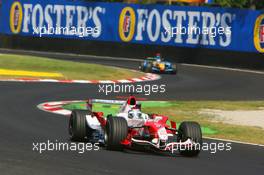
{"x":28,"y":73}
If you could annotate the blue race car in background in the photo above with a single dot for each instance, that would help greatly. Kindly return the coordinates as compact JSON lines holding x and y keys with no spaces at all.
{"x":158,"y":65}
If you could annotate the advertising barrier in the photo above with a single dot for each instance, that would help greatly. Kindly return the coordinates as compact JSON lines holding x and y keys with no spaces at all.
{"x":195,"y":27}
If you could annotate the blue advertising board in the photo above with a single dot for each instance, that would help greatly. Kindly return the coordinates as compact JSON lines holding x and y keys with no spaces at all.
{"x":196,"y":27}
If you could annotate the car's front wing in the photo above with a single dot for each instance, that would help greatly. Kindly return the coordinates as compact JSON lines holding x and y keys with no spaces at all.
{"x":168,"y":147}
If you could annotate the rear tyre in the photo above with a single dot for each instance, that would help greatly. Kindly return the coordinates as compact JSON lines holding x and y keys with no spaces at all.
{"x":115,"y":131}
{"x":190,"y":130}
{"x":78,"y":128}
{"x":141,"y":66}
{"x":148,"y":67}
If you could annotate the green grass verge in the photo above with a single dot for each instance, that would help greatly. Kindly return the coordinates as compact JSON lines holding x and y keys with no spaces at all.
{"x":189,"y":110}
{"x":69,"y":69}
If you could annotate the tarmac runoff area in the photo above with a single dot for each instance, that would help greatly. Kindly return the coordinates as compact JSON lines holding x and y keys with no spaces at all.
{"x":237,"y":117}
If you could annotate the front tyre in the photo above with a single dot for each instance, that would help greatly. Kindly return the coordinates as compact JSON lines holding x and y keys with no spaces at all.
{"x":78,"y":128}
{"x":115,"y":131}
{"x":190,"y":130}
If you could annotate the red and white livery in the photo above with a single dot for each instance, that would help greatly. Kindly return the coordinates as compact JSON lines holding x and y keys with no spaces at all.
{"x":130,"y":128}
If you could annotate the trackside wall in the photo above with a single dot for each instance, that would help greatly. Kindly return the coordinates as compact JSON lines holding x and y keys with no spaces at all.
{"x":222,"y":36}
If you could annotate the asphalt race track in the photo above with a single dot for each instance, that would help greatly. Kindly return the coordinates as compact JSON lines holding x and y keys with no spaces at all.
{"x":191,"y":83}
{"x":22,"y":124}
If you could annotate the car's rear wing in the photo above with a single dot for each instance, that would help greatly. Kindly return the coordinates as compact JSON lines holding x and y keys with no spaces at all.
{"x":90,"y":102}
{"x":150,"y":59}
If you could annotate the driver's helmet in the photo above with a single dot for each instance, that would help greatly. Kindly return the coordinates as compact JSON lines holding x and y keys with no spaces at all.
{"x":158,"y":57}
{"x":135,"y":114}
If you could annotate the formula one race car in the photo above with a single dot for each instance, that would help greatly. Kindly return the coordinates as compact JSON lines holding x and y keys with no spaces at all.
{"x":133,"y":129}
{"x":158,"y":65}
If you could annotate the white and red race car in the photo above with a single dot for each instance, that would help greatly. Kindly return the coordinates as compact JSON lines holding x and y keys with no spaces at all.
{"x":131,"y":128}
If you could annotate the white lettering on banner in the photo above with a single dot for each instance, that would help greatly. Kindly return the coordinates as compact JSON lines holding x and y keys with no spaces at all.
{"x":226,"y":42}
{"x":194,"y":18}
{"x":82,"y":16}
{"x":179,"y":16}
{"x":70,"y":11}
{"x":184,"y":27}
{"x":48,"y":18}
{"x":37,"y":10}
{"x":59,"y":11}
{"x":97,"y":21}
{"x":165,"y":36}
{"x":142,"y":15}
{"x":27,"y":11}
{"x":142,"y":25}
{"x":154,"y":14}
{"x":58,"y":18}
{"x":208,"y":22}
